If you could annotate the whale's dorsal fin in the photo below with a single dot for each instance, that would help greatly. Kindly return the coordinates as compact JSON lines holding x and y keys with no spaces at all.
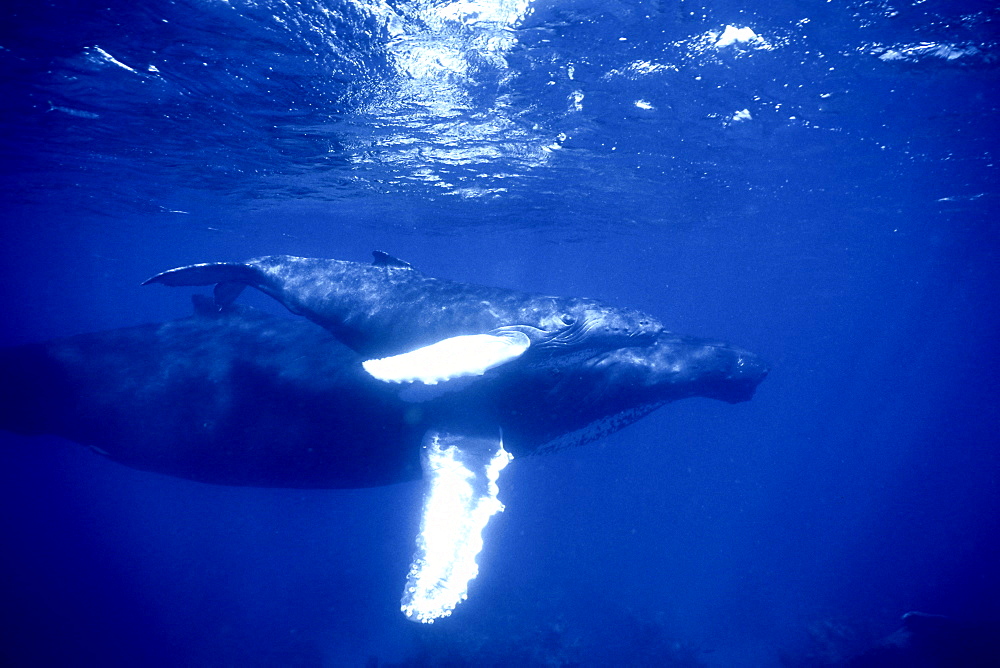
{"x":383,"y":259}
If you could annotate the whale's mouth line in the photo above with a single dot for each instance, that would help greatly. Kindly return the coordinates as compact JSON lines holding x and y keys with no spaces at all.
{"x":643,"y":336}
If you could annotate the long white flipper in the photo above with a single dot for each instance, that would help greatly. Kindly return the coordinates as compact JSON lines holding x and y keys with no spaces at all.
{"x":469,"y":355}
{"x":461,"y":475}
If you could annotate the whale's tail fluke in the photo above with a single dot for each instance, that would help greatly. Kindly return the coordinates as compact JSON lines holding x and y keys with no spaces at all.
{"x":229,"y":278}
{"x":206,"y":274}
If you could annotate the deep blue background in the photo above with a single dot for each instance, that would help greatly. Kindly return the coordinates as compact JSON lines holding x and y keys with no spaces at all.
{"x":846,"y":232}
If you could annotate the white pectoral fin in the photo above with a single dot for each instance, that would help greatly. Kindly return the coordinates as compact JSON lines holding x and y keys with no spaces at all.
{"x":461,"y":475}
{"x":455,"y":357}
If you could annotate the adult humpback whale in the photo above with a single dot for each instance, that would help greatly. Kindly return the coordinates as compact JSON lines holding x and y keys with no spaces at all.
{"x":234,"y":396}
{"x":241,"y":397}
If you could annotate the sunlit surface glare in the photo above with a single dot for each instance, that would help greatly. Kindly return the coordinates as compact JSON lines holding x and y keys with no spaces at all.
{"x":461,"y":475}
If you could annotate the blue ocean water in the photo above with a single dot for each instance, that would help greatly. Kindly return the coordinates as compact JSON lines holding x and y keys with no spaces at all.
{"x":815,"y":182}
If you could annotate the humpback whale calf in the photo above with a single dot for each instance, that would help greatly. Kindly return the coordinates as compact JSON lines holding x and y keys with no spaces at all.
{"x":235,"y":396}
{"x":389,"y":308}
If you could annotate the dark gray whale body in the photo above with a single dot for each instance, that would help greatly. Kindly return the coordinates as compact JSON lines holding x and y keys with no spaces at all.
{"x":237,"y":398}
{"x":241,"y":397}
{"x":472,"y":377}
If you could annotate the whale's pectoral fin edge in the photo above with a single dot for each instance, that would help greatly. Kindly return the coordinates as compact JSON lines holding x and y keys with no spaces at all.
{"x":454,"y":357}
{"x":461,"y":476}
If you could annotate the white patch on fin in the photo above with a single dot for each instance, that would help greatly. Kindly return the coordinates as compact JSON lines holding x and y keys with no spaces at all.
{"x":455,"y":357}
{"x":461,"y":474}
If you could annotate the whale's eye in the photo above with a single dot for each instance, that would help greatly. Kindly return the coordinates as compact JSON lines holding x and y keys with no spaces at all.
{"x":567,"y":318}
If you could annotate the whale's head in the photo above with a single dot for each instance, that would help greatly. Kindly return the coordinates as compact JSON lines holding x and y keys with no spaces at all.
{"x":674,"y":367}
{"x":558,"y":401}
{"x":572,"y":325}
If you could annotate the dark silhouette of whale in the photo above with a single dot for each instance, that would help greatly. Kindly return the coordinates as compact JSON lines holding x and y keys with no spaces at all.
{"x":474,"y":375}
{"x":242,"y":397}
